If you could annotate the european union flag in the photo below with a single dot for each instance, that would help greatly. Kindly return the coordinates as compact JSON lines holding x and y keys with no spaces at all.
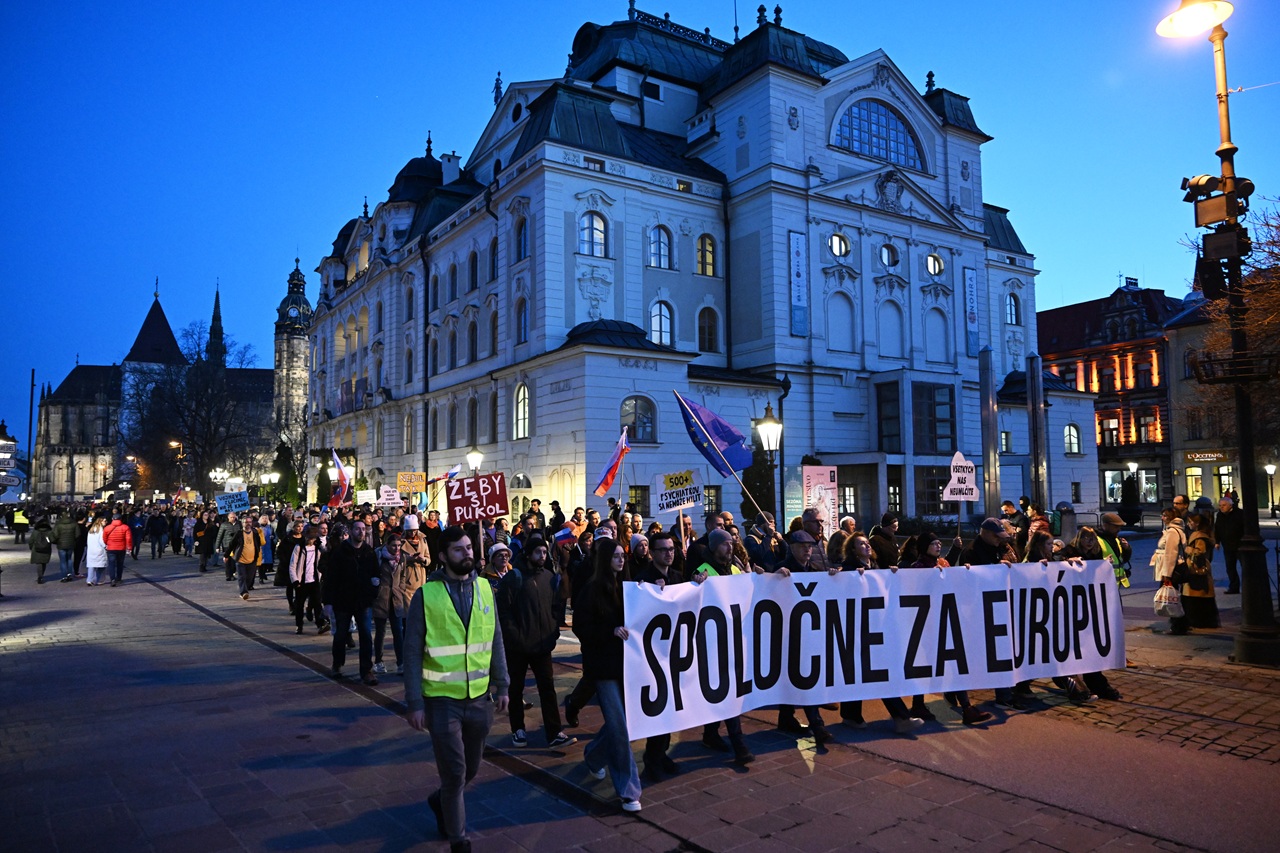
{"x":716,"y":439}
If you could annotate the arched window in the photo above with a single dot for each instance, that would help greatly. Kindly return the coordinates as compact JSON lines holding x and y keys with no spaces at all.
{"x":473,"y":272}
{"x":453,"y":282}
{"x":892,"y":344}
{"x":660,"y":323}
{"x":708,"y":330}
{"x":591,"y":234}
{"x":377,"y":437}
{"x":875,"y":129}
{"x":840,"y":323}
{"x":493,"y":333}
{"x":408,"y":304}
{"x":377,"y":317}
{"x":473,"y":342}
{"x":1012,"y":310}
{"x":434,"y":366}
{"x":1188,"y":363}
{"x":433,"y":440}
{"x":706,"y":255}
{"x":453,"y":425}
{"x":493,"y":416}
{"x":409,"y":433}
{"x":473,"y":421}
{"x":522,"y":321}
{"x":639,"y":415}
{"x":377,"y":374}
{"x":453,"y":350}
{"x":435,"y":293}
{"x":1071,"y":438}
{"x":520,"y":412}
{"x":522,"y":240}
{"x":660,"y":247}
{"x":936,"y":340}
{"x":408,"y":365}
{"x":493,"y":259}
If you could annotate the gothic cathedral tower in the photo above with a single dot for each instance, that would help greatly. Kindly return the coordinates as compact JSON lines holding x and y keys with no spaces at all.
{"x":293,"y":319}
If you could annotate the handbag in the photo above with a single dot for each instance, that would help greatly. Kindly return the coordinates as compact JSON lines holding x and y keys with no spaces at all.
{"x":1168,"y":602}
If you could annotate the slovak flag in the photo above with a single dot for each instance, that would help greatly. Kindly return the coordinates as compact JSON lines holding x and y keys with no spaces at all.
{"x":615,"y":462}
{"x":339,"y":488}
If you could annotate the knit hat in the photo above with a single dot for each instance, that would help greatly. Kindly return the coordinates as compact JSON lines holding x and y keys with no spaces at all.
{"x":637,"y":538}
{"x":498,"y":547}
{"x":718,"y":537}
{"x":410,"y":523}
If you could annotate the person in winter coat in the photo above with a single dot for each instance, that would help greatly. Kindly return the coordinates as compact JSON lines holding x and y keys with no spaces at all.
{"x":40,"y":543}
{"x":222,"y":544}
{"x":1199,"y":600}
{"x":390,"y":561}
{"x":64,"y":536}
{"x":1171,"y":546}
{"x":526,"y":612}
{"x":95,"y":554}
{"x":349,"y":584}
{"x":82,"y":540}
{"x":884,"y":541}
{"x":304,"y":576}
{"x":158,"y":533}
{"x":268,"y":546}
{"x":189,"y":534}
{"x":118,"y":537}
{"x":600,"y":626}
{"x":246,"y":554}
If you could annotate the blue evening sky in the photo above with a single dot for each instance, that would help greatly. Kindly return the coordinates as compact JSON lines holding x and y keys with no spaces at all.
{"x":212,"y":142}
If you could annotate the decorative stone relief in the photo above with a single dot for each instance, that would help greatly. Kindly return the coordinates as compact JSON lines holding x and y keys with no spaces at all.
{"x":573,"y":157}
{"x":594,"y":199}
{"x":964,"y":170}
{"x":889,"y":192}
{"x":880,"y":79}
{"x":638,"y":364}
{"x":561,"y":386}
{"x":891,"y":287}
{"x":662,"y":180}
{"x":595,"y":285}
{"x":686,"y":227}
{"x":1013,"y":346}
{"x":793,"y":118}
{"x":519,"y":206}
{"x":1012,"y":284}
{"x":742,"y":127}
{"x":936,"y":294}
{"x":617,"y":168}
{"x":839,"y":276}
{"x":706,"y":390}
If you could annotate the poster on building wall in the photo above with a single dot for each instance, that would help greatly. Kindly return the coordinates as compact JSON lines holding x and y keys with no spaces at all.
{"x":792,"y":495}
{"x":971,"y":337}
{"x":798,"y":249}
{"x":675,"y":491}
{"x":820,"y":490}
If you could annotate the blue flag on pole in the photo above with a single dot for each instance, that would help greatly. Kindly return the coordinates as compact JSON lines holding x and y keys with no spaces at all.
{"x":715,"y":438}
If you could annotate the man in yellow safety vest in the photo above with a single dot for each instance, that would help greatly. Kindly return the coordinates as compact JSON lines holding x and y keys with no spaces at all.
{"x":455,"y":675}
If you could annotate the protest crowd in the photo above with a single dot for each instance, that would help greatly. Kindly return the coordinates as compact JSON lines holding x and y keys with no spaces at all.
{"x":472,"y":611}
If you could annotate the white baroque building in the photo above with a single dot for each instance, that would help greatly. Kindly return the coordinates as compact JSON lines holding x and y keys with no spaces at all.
{"x":680,"y":212}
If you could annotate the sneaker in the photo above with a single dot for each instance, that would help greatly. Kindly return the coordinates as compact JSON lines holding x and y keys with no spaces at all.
{"x":651,"y":774}
{"x":972,"y":716}
{"x":853,"y":722}
{"x":379,"y":668}
{"x":922,"y":713}
{"x":631,"y":805}
{"x":528,"y":706}
{"x":335,"y":673}
{"x":906,"y":725}
{"x":570,"y":713}
{"x":561,"y":740}
{"x":598,"y":775}
{"x":519,"y":738}
{"x":399,"y":669}
{"x":66,"y":579}
{"x":1110,"y":694}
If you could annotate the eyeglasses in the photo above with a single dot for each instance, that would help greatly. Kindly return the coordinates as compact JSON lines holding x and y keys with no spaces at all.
{"x":662,"y":548}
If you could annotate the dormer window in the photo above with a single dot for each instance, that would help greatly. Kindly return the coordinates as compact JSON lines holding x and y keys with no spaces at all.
{"x":875,"y":129}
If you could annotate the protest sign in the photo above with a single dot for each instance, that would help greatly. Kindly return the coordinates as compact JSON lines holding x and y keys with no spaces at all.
{"x":678,"y":490}
{"x":704,"y":652}
{"x":389,"y":497}
{"x":963,"y":485}
{"x":475,"y":498}
{"x":409,"y":482}
{"x":365,"y":496}
{"x":232,"y":502}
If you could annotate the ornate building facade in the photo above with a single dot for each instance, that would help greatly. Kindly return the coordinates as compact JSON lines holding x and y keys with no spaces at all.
{"x":677,"y":212}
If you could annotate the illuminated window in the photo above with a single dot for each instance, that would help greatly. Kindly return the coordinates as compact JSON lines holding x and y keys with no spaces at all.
{"x":592,"y":234}
{"x":839,"y":245}
{"x":1071,"y":439}
{"x":934,"y":264}
{"x":660,"y":248}
{"x":520,"y":412}
{"x":706,"y":255}
{"x":660,"y":323}
{"x":1012,"y":310}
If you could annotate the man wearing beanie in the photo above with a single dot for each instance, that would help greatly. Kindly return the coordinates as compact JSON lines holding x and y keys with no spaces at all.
{"x":530,"y":629}
{"x":719,"y":557}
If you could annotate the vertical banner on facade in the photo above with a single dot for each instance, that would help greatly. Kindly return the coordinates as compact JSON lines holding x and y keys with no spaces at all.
{"x":798,"y":248}
{"x":820,"y":491}
{"x":792,"y":495}
{"x":971,"y":337}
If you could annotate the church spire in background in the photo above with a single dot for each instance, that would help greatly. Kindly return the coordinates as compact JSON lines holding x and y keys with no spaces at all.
{"x":216,"y":349}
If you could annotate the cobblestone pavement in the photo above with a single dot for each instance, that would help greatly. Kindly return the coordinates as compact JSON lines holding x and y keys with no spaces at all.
{"x":169,"y":715}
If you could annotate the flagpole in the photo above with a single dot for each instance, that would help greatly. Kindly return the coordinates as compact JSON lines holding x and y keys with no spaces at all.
{"x":711,"y":441}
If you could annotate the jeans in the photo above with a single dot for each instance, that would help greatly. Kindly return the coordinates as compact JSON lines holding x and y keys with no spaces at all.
{"x":458,"y":730}
{"x":115,"y":559}
{"x":65,"y":562}
{"x":157,"y":544}
{"x":244,"y":577}
{"x":188,"y":542}
{"x":342,"y":630}
{"x":518,"y":664}
{"x":611,"y":746}
{"x":380,"y":636}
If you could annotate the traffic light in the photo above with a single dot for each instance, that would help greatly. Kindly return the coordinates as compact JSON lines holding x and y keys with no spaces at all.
{"x":1210,"y":278}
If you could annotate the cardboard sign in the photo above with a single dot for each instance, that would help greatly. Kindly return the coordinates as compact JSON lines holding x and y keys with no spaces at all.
{"x":409,"y":482}
{"x":476,"y":498}
{"x":232,"y":502}
{"x":678,"y":490}
{"x":365,"y":496}
{"x":963,"y":485}
{"x":390,"y":497}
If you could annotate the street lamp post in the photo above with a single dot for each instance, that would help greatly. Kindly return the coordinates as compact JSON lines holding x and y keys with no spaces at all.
{"x":475,"y":458}
{"x":1271,"y":488}
{"x":1258,"y":640}
{"x":770,"y":430}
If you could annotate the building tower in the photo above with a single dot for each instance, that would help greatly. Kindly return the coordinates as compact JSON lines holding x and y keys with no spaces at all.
{"x":293,"y":319}
{"x":215,"y":351}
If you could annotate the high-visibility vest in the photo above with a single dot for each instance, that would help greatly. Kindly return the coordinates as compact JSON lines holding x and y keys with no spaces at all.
{"x":1116,"y":563}
{"x":20,"y":517}
{"x":456,"y":664}
{"x":711,"y":570}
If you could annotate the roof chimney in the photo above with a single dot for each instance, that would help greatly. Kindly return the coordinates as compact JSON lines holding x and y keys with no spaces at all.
{"x":450,"y":166}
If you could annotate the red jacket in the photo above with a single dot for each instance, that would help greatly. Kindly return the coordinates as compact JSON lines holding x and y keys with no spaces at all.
{"x":117,"y":536}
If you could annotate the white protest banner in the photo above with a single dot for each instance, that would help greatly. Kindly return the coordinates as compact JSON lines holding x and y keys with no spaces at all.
{"x":390,"y":497}
{"x":698,"y":653}
{"x":678,"y":490}
{"x":963,"y":485}
{"x":365,"y":496}
{"x":232,"y":502}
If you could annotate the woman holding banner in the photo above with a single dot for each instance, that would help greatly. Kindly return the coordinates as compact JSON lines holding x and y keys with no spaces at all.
{"x":598,"y":622}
